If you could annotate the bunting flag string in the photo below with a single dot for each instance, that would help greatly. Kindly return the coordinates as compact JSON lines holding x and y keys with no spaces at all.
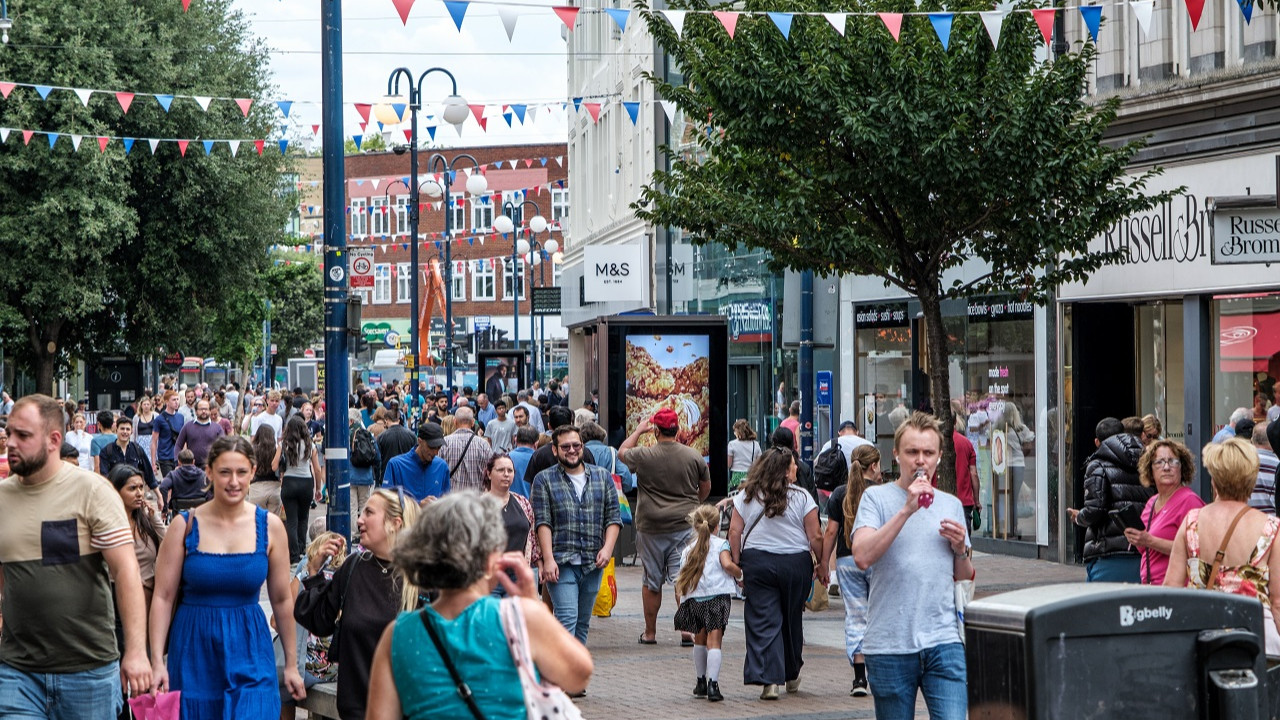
{"x":104,"y":141}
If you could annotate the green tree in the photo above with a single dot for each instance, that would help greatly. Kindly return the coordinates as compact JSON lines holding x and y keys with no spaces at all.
{"x":295,"y":285}
{"x":900,"y":160}
{"x":371,"y":142}
{"x":111,"y":252}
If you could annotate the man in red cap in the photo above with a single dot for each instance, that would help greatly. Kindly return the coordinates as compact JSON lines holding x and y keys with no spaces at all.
{"x":671,"y":480}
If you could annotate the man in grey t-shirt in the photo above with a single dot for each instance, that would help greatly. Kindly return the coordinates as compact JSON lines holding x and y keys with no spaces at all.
{"x":501,"y":430}
{"x":918,"y":547}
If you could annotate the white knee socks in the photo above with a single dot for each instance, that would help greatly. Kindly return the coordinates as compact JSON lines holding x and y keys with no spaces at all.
{"x":700,"y":660}
{"x":713,"y":665}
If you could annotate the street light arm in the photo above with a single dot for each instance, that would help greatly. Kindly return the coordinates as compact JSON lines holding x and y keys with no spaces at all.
{"x":393,"y":84}
{"x":428,"y":71}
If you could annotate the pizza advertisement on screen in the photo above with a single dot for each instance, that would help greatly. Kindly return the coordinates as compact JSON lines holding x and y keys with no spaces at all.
{"x":670,"y":371}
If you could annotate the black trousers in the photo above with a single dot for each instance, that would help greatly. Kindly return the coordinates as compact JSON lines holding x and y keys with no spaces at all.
{"x":296,"y":494}
{"x":775,"y":587}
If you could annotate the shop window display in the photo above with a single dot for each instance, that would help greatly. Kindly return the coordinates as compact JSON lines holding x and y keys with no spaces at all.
{"x":1247,"y":356}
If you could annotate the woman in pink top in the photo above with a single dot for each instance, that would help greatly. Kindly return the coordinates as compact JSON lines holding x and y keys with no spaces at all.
{"x":1168,"y":466}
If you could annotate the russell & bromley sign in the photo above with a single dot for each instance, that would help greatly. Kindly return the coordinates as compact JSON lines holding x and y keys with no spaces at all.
{"x":1245,"y":231}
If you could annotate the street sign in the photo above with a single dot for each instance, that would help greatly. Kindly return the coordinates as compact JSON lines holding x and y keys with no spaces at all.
{"x":482,"y":322}
{"x":173,"y":361}
{"x":308,"y":353}
{"x":823,"y":396}
{"x":361,"y":267}
{"x":274,"y":350}
{"x":546,"y":301}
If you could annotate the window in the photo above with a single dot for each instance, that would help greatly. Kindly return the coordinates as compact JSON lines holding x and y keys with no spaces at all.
{"x":482,"y":280}
{"x":359,"y":217}
{"x":378,"y":220}
{"x":481,"y":215}
{"x":402,"y":215}
{"x":382,"y":283}
{"x":507,"y":277}
{"x":459,"y":280}
{"x":404,"y":283}
{"x":459,"y":220}
{"x":559,"y":204}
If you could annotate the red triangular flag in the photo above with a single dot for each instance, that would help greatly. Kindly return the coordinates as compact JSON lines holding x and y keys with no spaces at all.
{"x":1194,"y":8}
{"x":403,"y":7}
{"x":729,"y":20}
{"x":569,"y":15}
{"x":363,"y":110}
{"x":315,"y":129}
{"x":892,"y":21}
{"x":125,"y":99}
{"x":484,"y":124}
{"x":186,"y":4}
{"x":478,"y":112}
{"x":1044,"y":19}
{"x":6,"y":88}
{"x":258,"y":145}
{"x":362,"y":127}
{"x":408,"y":136}
{"x":102,"y":144}
{"x":182,"y":147}
{"x":26,"y":136}
{"x":244,"y":104}
{"x":528,"y":163}
{"x":594,"y":109}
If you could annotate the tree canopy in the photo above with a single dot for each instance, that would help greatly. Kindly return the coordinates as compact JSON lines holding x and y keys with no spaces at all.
{"x":902,"y":160}
{"x":126,"y":252}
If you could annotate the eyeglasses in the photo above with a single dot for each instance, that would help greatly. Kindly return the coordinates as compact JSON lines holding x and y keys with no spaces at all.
{"x":1167,"y":462}
{"x":400,"y":492}
{"x":570,"y":447}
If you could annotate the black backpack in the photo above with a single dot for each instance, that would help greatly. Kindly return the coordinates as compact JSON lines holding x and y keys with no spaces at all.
{"x":364,"y":454}
{"x":830,"y":469}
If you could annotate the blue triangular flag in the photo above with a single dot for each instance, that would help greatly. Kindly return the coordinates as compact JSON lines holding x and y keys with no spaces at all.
{"x":1092,"y":15}
{"x":519,"y":110}
{"x":44,"y":91}
{"x":431,"y":130}
{"x":399,"y":109}
{"x":577,"y":104}
{"x":942,"y":25}
{"x":783,"y":21}
{"x":379,"y":125}
{"x":284,"y":145}
{"x":128,"y":145}
{"x":544,"y":161}
{"x":1246,"y":7}
{"x":53,"y":139}
{"x":208,"y":147}
{"x":507,"y":117}
{"x":619,"y":16}
{"x":285,"y":106}
{"x":453,"y":176}
{"x":457,"y":11}
{"x":359,"y":183}
{"x":405,"y":180}
{"x":165,"y":101}
{"x":633,"y":109}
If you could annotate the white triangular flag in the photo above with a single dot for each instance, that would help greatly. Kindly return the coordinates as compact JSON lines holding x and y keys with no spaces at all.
{"x":1142,"y":12}
{"x":436,"y":205}
{"x":669,"y":107}
{"x":203,"y":102}
{"x":235,"y":146}
{"x":509,"y":16}
{"x":513,"y":164}
{"x":375,"y":182}
{"x":993,"y":20}
{"x":84,"y":96}
{"x":75,"y":141}
{"x":154,"y":144}
{"x":676,"y":18}
{"x":837,"y":20}
{"x":560,"y":160}
{"x":4,"y":135}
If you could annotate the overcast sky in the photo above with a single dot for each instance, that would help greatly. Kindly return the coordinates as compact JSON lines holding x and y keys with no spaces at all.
{"x":529,"y":69}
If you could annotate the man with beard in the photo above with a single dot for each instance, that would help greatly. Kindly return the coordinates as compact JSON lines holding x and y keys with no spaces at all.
{"x":64,"y":532}
{"x":576,"y":507}
{"x":125,"y":452}
{"x":188,"y":408}
{"x":535,"y":415}
{"x":198,"y":436}
{"x":544,"y":457}
{"x":164,"y":435}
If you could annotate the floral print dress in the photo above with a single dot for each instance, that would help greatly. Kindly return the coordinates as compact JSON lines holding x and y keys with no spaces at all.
{"x":1251,"y":579}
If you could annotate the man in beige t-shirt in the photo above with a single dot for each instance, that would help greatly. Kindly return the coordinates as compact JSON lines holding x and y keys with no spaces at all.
{"x":671,"y":480}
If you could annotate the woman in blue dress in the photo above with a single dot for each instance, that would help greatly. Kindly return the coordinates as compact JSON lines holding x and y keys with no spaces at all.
{"x":219,"y":646}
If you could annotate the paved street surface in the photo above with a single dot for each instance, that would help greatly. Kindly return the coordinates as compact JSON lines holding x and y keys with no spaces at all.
{"x":656,"y":681}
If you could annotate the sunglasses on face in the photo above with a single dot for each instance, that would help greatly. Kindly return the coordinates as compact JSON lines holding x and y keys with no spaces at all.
{"x":570,"y":447}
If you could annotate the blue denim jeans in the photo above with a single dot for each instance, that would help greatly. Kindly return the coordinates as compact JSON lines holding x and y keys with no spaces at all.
{"x":855,"y":588}
{"x":86,"y":695}
{"x":1115,"y":568}
{"x":937,"y":672}
{"x":574,"y":596}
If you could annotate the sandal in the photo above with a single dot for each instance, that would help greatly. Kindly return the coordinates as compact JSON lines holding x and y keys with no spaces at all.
{"x":648,"y":642}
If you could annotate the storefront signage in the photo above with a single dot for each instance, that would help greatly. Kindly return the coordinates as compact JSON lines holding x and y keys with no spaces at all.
{"x":613,"y":273}
{"x":682,"y":272}
{"x":823,"y":394}
{"x":750,"y":321}
{"x":1175,"y":231}
{"x":998,"y":380}
{"x":881,"y":316}
{"x":994,"y":308}
{"x":1246,"y":235}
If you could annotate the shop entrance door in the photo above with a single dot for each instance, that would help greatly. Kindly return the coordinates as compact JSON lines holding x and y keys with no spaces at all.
{"x":745,"y":393}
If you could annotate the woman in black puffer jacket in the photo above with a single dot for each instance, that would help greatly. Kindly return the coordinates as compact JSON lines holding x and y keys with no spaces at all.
{"x":1111,"y":483}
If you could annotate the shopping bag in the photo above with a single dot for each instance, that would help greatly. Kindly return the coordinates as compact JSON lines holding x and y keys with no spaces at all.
{"x":624,"y":505}
{"x":819,"y":599}
{"x":163,"y":706}
{"x":964,"y":596}
{"x":607,"y":595}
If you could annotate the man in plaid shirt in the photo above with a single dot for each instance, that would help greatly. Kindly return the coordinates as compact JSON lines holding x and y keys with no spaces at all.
{"x":466,"y":453}
{"x":575,"y":506}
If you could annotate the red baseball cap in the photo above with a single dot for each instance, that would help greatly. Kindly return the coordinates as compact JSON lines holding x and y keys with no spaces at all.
{"x":666,"y":419}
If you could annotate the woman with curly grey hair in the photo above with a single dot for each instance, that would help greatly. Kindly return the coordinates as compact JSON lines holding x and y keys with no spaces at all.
{"x":456,"y":547}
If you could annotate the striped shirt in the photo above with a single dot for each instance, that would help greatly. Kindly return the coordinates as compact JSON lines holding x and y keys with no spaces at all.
{"x":1264,"y":492}
{"x":466,"y":454}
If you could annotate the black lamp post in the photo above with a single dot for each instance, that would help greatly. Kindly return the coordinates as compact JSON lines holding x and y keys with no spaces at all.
{"x":506,"y":223}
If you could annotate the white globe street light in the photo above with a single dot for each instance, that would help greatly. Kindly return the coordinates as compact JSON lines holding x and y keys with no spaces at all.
{"x":433,"y":189}
{"x":455,"y":110}
{"x":384,"y":113}
{"x":537,"y":223}
{"x":477,"y":184}
{"x":552,"y":246}
{"x":522,"y":247}
{"x":503,"y":224}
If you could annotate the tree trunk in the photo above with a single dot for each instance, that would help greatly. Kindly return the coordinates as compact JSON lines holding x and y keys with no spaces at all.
{"x":44,"y":344}
{"x":939,"y":386}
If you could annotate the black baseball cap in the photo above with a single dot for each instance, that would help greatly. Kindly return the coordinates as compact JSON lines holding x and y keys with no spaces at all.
{"x":432,"y":433}
{"x":848,"y":425}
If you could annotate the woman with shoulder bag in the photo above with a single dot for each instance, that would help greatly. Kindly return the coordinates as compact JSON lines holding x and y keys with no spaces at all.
{"x":774,"y":537}
{"x":426,"y":659}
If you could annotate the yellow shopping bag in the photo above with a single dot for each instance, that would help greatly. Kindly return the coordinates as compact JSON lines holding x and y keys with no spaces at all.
{"x":607,"y":595}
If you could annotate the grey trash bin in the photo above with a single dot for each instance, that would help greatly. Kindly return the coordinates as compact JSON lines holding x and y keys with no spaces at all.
{"x":1106,"y":650}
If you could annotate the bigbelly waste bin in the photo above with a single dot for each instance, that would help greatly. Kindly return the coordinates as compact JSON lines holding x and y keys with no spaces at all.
{"x":1101,"y":650}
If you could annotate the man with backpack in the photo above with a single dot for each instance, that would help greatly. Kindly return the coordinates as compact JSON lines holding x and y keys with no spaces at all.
{"x":830,"y":468}
{"x":365,"y":465}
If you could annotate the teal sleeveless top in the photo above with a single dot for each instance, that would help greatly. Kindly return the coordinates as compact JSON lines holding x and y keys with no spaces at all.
{"x":478,"y":647}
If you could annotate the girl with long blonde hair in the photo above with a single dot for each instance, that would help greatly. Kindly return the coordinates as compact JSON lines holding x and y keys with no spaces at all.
{"x":705,"y":585}
{"x":842,"y":510}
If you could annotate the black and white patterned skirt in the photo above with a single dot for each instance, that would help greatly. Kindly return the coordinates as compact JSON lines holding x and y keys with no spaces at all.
{"x":694,"y":616}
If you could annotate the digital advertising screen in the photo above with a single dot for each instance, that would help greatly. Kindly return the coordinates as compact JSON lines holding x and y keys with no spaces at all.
{"x":670,"y":371}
